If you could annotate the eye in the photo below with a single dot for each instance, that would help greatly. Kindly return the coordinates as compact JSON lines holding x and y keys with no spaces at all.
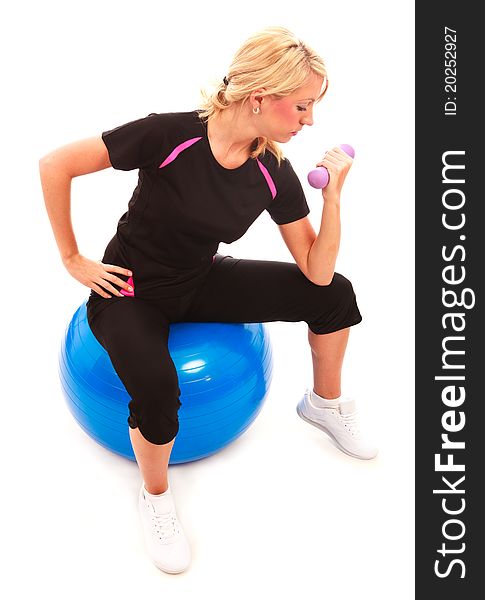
{"x":301,"y":108}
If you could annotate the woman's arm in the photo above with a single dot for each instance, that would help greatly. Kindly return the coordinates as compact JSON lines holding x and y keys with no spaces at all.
{"x":322,"y":255}
{"x":316,"y":255}
{"x":57,"y":169}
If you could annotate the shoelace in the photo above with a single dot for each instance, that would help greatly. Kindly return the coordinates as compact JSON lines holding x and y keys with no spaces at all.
{"x":166,"y":525}
{"x":350,"y":421}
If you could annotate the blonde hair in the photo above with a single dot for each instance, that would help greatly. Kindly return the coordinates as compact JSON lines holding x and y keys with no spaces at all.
{"x":273,"y":59}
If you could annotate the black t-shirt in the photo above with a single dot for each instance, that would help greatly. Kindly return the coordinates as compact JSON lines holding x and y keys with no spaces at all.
{"x":186,"y":202}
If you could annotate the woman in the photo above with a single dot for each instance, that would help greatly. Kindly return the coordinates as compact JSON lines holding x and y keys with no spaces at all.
{"x":204,"y":177}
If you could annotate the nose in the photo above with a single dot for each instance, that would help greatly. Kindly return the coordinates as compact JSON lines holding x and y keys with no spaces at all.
{"x":307,"y":118}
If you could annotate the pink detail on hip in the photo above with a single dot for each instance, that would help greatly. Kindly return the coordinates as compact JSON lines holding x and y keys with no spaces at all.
{"x":177,"y":150}
{"x":268,"y":178}
{"x":126,"y":292}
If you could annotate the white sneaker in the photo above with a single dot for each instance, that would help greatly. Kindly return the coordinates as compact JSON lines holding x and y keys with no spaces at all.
{"x":340,"y":423}
{"x":165,"y":539}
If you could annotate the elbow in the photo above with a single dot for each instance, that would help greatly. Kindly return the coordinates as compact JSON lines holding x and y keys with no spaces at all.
{"x":52,"y":159}
{"x":322,"y":281}
{"x":47,"y":159}
{"x":50,"y":164}
{"x":45,"y":162}
{"x":42,"y":167}
{"x":319,"y":274}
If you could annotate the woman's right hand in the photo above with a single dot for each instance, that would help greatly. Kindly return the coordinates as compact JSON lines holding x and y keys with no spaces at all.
{"x":97,"y":275}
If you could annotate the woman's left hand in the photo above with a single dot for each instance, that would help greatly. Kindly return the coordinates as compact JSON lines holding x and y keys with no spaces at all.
{"x":338,"y":163}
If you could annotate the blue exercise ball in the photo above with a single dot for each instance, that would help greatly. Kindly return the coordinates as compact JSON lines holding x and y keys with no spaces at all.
{"x":224,"y":372}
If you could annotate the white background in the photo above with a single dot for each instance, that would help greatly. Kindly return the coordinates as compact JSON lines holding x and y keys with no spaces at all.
{"x":280,"y":511}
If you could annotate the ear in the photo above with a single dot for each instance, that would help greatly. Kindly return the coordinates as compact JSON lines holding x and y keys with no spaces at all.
{"x":257,"y":97}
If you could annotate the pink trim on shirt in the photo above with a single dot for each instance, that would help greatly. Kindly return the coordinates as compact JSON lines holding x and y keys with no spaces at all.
{"x":268,"y":178}
{"x":177,"y":150}
{"x":126,"y":292}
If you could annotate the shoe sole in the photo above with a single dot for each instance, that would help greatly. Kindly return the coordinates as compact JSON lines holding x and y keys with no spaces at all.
{"x":330,"y":435}
{"x":170,"y":572}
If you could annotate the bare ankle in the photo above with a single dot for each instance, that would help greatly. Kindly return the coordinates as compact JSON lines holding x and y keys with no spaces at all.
{"x":328,"y":393}
{"x":156,"y":489}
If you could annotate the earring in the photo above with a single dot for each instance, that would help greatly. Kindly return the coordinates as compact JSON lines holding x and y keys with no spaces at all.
{"x":256,"y":110}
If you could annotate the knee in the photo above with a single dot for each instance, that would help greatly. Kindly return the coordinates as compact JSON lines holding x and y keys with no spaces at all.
{"x":339,"y":288}
{"x":154,"y":409}
{"x":152,"y":383}
{"x":338,"y":296}
{"x":159,"y":431}
{"x":335,"y":306}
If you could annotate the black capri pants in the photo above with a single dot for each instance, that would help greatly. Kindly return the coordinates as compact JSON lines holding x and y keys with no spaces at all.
{"x":135,"y":331}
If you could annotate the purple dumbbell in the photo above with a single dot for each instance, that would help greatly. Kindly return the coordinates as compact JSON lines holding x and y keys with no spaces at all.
{"x":318,"y":178}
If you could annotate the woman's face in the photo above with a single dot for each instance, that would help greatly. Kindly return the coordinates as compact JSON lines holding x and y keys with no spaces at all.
{"x":281,"y":118}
